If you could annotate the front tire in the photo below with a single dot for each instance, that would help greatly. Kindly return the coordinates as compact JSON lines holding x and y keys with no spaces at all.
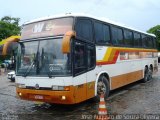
{"x":102,"y":88}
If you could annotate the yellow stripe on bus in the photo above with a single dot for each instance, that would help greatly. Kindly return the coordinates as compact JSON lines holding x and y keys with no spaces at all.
{"x":107,"y":54}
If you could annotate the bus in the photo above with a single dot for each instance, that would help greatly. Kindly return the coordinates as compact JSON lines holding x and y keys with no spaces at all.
{"x":70,"y":58}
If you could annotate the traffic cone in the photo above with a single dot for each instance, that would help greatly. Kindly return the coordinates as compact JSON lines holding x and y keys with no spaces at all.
{"x":102,"y":111}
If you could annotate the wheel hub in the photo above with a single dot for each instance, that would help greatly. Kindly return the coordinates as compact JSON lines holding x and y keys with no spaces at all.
{"x":101,"y":88}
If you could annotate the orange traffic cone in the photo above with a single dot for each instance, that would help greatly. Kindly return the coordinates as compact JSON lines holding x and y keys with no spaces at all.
{"x":102,"y":111}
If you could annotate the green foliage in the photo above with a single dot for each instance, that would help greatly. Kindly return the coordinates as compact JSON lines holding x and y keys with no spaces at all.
{"x":156,"y":30}
{"x":6,"y":57}
{"x":9,"y":26}
{"x":1,"y":59}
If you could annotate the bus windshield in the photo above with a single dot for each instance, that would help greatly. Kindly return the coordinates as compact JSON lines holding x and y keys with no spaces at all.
{"x":43,"y":58}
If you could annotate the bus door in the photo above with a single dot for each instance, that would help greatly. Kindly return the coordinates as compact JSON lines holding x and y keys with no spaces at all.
{"x":91,"y":74}
{"x":86,"y":62}
{"x":79,"y":65}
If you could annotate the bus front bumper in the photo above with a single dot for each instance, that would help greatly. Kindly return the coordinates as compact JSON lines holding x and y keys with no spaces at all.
{"x":48,"y":96}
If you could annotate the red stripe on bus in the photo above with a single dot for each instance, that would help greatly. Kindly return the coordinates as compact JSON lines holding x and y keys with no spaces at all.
{"x":110,"y":62}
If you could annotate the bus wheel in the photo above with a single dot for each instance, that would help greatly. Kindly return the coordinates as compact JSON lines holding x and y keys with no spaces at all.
{"x":102,"y":88}
{"x":150,"y":73}
{"x":146,"y":75}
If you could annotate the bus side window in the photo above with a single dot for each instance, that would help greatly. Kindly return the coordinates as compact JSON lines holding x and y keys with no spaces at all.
{"x":91,"y":57}
{"x":154,"y":42}
{"x":144,"y":41}
{"x":102,"y":33}
{"x":84,"y":29}
{"x":150,"y":42}
{"x":79,"y":57}
{"x":137,"y":39}
{"x":117,"y":36}
{"x":128,"y":37}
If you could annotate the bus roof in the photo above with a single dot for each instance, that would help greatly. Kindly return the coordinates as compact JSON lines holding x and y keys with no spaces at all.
{"x":88,"y":16}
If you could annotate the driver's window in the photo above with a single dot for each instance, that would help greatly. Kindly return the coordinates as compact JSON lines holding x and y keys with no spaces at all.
{"x":79,"y":57}
{"x":90,"y":57}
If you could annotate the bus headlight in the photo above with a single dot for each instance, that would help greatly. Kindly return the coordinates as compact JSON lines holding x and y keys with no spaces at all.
{"x":54,"y":87}
{"x":60,"y":87}
{"x":21,"y":85}
{"x":66,"y":88}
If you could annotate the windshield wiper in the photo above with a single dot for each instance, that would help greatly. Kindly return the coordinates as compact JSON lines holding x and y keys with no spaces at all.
{"x":49,"y":73}
{"x":29,"y":69}
{"x":35,"y":62}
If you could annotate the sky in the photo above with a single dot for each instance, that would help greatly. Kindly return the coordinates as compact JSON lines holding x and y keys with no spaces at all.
{"x":138,"y":14}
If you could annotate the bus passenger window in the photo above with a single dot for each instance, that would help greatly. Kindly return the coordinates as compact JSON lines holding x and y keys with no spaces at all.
{"x":84,"y":29}
{"x":128,"y":38}
{"x":137,"y":40}
{"x":154,"y":42}
{"x":150,"y":42}
{"x":117,"y":36}
{"x":102,"y":33}
{"x":79,"y":57}
{"x":144,"y":41}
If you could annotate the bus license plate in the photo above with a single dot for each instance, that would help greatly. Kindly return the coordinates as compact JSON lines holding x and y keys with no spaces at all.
{"x":39,"y":97}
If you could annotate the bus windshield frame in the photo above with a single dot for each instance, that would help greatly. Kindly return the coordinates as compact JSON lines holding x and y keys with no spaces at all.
{"x":43,"y":58}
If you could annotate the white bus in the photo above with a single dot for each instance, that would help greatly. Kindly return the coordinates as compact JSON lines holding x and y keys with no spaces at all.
{"x":69,"y":59}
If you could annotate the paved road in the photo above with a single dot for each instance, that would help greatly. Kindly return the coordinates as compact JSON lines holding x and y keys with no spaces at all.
{"x":137,"y":98}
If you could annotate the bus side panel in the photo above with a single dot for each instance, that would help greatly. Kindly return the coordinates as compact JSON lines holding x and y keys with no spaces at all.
{"x":124,"y":79}
{"x":80,"y":88}
{"x":91,"y":77}
{"x":123,"y":65}
{"x":84,"y":86}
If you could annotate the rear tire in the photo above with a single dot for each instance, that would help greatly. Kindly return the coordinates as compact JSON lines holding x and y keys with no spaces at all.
{"x":150,"y":73}
{"x":146,"y":75}
{"x":102,"y":88}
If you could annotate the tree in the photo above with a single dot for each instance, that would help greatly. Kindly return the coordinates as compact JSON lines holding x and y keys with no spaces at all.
{"x":156,"y":31}
{"x":9,"y":26}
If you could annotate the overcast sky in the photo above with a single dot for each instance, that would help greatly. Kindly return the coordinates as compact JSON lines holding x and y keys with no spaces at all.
{"x":139,"y":14}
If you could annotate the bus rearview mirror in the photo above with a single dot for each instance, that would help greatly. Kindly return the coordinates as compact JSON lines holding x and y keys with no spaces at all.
{"x":66,"y":41}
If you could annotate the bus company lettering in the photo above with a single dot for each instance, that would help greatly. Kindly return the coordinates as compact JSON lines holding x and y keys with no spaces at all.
{"x":38,"y":28}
